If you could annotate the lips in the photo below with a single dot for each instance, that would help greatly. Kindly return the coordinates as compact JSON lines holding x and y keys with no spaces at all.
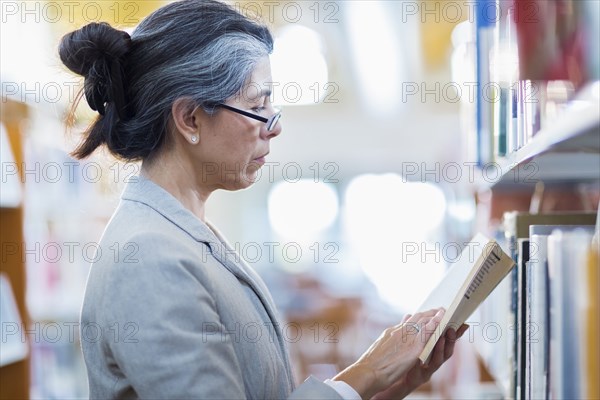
{"x":261,"y":158}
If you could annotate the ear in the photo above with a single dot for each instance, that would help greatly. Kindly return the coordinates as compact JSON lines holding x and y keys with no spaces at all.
{"x":186,"y":119}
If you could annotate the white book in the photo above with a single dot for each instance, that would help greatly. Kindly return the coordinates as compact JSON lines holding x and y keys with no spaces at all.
{"x":467,"y":283}
{"x":567,"y":253}
{"x":538,"y":318}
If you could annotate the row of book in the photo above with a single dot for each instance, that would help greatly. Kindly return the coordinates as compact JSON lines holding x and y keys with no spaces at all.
{"x":532,"y":56}
{"x":549,"y":308}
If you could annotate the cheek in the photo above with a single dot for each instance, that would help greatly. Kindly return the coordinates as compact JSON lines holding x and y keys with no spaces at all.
{"x":244,"y":144}
{"x":235,"y":140}
{"x":235,"y":156}
{"x":236,"y":151}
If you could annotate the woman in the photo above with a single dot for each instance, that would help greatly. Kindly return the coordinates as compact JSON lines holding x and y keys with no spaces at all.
{"x":188,"y":94}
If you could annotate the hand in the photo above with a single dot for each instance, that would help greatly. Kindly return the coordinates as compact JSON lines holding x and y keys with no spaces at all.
{"x":392,"y":355}
{"x":421,"y":373}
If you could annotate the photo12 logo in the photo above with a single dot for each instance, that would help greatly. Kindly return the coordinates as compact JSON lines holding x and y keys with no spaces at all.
{"x":70,"y":252}
{"x":40,"y":92}
{"x":75,"y":12}
{"x":291,"y":12}
{"x":69,"y":332}
{"x":271,"y":252}
{"x":469,"y":171}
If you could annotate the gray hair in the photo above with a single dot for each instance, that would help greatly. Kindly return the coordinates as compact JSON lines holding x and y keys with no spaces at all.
{"x":203,"y":50}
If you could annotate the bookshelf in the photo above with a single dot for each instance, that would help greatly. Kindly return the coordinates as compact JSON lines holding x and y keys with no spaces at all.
{"x":565,"y":151}
{"x":544,"y":127}
{"x":14,"y":376}
{"x":566,"y":154}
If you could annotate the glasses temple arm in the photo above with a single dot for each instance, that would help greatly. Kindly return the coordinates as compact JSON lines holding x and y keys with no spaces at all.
{"x":245,"y":113}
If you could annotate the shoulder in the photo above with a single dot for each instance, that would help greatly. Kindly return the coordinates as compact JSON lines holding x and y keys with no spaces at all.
{"x":140,"y":243}
{"x":143,"y":261}
{"x":138,"y":226}
{"x":134,"y":217}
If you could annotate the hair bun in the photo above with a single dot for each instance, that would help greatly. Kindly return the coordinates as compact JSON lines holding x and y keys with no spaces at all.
{"x":97,"y":52}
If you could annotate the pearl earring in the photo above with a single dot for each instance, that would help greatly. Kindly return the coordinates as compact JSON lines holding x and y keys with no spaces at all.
{"x":194,"y":139}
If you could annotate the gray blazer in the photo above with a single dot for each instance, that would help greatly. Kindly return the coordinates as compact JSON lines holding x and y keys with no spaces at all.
{"x":171,"y":311}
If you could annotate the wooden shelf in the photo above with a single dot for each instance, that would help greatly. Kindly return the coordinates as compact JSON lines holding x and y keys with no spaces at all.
{"x":568,"y":150}
{"x":14,"y":377}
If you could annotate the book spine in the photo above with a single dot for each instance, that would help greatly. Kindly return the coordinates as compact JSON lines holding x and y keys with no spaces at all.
{"x":512,"y":118}
{"x":529,"y":331}
{"x":567,"y":253}
{"x":521,"y":115}
{"x":592,"y":331}
{"x":501,"y":137}
{"x":485,"y":24}
{"x":520,"y":319}
{"x":512,"y":331}
{"x":501,"y":76}
{"x":537,"y":319}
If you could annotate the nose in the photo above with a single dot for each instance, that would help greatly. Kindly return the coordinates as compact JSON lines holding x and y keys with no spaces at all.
{"x":275,"y":131}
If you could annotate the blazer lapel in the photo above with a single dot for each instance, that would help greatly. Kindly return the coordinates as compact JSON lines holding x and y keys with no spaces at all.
{"x":145,"y":191}
{"x":233,"y":261}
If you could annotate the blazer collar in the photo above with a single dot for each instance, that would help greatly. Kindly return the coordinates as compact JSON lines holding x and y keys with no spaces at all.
{"x":143,"y":190}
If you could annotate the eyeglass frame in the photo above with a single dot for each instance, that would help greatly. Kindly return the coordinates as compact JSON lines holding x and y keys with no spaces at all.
{"x":271,"y":122}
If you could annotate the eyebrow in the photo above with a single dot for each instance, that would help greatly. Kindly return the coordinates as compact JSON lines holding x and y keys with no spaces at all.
{"x":265,"y":92}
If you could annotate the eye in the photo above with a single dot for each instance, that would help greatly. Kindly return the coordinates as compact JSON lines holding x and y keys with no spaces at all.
{"x":264,"y":102}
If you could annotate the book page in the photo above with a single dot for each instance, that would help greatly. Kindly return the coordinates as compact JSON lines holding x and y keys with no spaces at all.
{"x":444,"y":293}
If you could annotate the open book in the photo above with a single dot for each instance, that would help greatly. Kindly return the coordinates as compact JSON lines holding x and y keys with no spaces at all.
{"x":478,"y":270}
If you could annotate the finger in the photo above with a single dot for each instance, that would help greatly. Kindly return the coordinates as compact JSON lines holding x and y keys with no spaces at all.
{"x":411,"y":328}
{"x":437,"y":357}
{"x":435,"y":320}
{"x":429,"y":313}
{"x":422,"y":323}
{"x":405,"y":318}
{"x":461,"y":331}
{"x":425,"y":318}
{"x":430,"y":327}
{"x":449,"y":349}
{"x":417,"y":326}
{"x":427,"y":322}
{"x":451,"y":335}
{"x":413,"y":324}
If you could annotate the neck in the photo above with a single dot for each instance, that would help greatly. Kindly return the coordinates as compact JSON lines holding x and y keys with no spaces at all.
{"x":179,"y":180}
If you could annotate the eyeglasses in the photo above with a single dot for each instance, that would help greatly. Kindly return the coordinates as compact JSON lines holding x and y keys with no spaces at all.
{"x":270,"y":122}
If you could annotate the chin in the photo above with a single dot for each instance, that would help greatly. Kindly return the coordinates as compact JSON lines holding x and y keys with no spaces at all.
{"x":234,"y":187}
{"x":249,"y":180}
{"x":243,"y":181}
{"x":251,"y":174}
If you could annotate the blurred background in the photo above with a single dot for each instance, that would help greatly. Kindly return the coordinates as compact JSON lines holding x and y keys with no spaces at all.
{"x":373,"y":187}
